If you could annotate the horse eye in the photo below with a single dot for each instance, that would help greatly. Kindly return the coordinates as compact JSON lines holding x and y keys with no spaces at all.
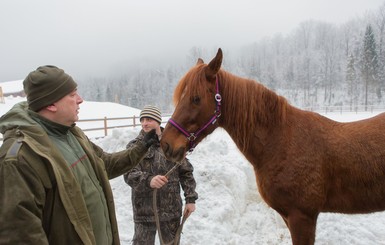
{"x":196,"y":100}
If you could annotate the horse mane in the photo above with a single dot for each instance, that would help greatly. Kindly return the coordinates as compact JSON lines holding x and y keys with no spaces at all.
{"x":251,"y":107}
{"x":254,"y":102}
{"x":249,"y":104}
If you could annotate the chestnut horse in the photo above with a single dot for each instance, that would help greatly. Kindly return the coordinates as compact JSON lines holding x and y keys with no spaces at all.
{"x":304,"y":163}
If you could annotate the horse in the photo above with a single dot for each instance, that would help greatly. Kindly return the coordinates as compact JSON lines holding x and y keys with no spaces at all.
{"x":304,"y":163}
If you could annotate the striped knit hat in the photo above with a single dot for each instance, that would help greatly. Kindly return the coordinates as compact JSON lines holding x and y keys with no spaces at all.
{"x":151,"y":112}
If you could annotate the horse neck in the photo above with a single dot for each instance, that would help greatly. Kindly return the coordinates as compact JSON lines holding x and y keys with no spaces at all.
{"x":250,"y":112}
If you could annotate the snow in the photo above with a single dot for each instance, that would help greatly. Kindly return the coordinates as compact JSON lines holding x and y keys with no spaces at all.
{"x":229,"y":209}
{"x":12,"y":86}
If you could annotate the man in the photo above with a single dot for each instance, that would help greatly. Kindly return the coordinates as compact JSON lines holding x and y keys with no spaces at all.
{"x":148,"y":175}
{"x":54,"y":182}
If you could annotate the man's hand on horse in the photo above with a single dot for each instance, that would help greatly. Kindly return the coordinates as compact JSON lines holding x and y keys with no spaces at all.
{"x":158,"y":181}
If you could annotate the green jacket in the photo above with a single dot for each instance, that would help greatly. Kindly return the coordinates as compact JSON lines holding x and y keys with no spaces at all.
{"x":40,"y":200}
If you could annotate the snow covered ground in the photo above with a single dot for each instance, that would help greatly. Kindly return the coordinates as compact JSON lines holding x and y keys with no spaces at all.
{"x":229,"y":209}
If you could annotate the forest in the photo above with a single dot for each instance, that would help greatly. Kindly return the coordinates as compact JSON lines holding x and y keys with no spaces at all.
{"x":316,"y":65}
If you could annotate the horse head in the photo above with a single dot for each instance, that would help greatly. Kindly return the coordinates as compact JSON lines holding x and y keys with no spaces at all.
{"x":197,"y":108}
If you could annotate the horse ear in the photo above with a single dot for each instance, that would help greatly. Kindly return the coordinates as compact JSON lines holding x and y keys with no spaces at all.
{"x":214,"y":65}
{"x":200,"y":61}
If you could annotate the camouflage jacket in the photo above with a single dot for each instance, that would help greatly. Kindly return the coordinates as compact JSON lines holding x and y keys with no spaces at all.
{"x":169,"y":201}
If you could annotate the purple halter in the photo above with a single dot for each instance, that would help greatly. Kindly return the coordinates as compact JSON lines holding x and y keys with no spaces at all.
{"x":217,"y":113}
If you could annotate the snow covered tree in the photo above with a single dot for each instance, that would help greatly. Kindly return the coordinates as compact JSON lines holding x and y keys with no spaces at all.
{"x":351,"y":79}
{"x":380,"y":24}
{"x":369,"y":63}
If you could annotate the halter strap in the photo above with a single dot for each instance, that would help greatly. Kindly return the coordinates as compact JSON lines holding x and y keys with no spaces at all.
{"x":217,"y":113}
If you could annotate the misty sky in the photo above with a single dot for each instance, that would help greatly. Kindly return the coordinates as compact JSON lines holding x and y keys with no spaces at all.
{"x":89,"y":38}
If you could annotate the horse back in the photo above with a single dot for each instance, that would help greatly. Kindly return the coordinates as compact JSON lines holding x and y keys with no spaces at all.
{"x":351,"y":162}
{"x":316,"y":163}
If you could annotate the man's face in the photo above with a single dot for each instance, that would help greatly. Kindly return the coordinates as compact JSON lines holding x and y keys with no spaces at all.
{"x":148,"y":124}
{"x":67,"y":108}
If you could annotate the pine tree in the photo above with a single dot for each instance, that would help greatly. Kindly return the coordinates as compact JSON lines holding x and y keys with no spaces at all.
{"x":369,"y":63}
{"x":351,"y":79}
{"x":109,"y":96}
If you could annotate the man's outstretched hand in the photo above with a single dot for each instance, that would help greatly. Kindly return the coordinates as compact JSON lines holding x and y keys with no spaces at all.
{"x":150,"y":138}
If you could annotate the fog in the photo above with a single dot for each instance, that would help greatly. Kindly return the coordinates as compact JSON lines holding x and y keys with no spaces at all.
{"x":91,"y":38}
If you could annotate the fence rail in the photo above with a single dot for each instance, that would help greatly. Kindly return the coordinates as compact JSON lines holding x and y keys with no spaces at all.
{"x":105,"y":124}
{"x":105,"y":120}
{"x":344,"y":109}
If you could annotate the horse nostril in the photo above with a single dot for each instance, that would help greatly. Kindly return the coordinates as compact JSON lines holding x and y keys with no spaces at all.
{"x":172,"y":154}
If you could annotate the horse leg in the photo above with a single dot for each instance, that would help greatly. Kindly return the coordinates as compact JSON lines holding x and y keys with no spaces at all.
{"x":302,"y":227}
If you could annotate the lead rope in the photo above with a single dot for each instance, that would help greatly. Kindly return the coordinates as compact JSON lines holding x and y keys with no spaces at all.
{"x":179,"y":231}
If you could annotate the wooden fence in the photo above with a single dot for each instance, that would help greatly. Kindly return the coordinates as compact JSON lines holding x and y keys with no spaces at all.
{"x":345,"y":109}
{"x":105,"y":124}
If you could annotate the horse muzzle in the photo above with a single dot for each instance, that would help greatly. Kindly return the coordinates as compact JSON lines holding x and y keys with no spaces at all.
{"x":174,"y":155}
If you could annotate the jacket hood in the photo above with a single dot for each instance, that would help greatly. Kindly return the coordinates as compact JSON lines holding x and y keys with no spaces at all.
{"x":17,"y":116}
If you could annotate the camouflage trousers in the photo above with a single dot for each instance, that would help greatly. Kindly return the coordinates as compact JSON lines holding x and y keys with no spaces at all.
{"x":145,"y":232}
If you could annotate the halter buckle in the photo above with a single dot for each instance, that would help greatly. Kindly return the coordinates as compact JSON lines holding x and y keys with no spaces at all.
{"x":218,"y":97}
{"x":192,"y":137}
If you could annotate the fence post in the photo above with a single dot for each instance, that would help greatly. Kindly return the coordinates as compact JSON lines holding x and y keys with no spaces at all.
{"x":105,"y":126}
{"x":134,"y":122}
